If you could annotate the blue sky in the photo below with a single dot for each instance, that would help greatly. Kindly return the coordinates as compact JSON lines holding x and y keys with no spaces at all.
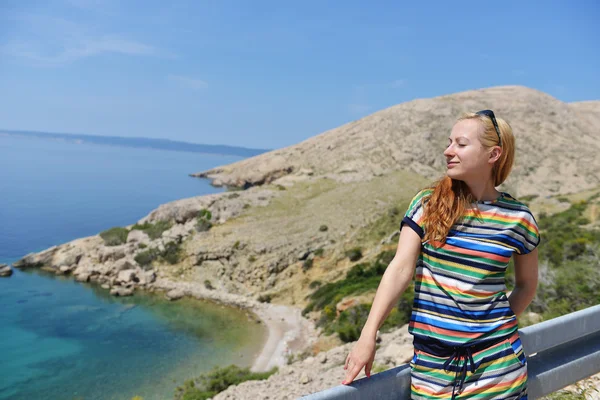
{"x":269,"y":74}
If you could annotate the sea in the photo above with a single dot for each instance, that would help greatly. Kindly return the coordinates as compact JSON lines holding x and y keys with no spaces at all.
{"x":60,"y":339}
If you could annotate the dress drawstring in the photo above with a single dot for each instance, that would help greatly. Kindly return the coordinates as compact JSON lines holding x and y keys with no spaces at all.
{"x":464,"y":354}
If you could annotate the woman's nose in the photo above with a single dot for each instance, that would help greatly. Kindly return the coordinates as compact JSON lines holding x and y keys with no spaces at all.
{"x":449,"y":152}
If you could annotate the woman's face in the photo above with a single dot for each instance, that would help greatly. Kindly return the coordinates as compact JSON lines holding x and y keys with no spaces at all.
{"x":466,"y":157}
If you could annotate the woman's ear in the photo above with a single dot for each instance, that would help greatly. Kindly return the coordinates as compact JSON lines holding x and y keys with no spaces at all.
{"x":495,"y":154}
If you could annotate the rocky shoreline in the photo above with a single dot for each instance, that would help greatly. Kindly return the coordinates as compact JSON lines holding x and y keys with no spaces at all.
{"x":287,"y":331}
{"x":115,"y":268}
{"x":236,"y":269}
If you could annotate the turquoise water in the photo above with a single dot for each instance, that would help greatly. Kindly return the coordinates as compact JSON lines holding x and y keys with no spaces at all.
{"x":65,"y":340}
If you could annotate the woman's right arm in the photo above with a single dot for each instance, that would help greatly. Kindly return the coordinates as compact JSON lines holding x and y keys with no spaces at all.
{"x":394,"y":282}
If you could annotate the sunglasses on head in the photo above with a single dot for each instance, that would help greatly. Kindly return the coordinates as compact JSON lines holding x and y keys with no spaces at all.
{"x":490,"y":114}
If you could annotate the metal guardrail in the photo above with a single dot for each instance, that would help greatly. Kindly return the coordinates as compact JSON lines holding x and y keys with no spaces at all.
{"x":560,"y":352}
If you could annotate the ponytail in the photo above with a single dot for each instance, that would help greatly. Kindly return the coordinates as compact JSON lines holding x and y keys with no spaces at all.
{"x":446,"y":204}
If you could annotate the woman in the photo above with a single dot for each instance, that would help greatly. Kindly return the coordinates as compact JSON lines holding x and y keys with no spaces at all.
{"x":461,"y":233}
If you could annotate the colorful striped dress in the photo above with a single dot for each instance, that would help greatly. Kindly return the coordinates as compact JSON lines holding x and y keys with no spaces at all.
{"x":465,"y":333}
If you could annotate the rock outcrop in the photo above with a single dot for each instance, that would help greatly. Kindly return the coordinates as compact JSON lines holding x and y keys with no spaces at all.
{"x":5,"y":270}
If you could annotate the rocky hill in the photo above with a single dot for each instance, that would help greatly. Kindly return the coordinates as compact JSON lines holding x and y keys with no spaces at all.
{"x":557,"y":143}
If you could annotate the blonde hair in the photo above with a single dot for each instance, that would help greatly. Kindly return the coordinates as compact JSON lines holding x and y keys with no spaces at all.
{"x":449,"y":197}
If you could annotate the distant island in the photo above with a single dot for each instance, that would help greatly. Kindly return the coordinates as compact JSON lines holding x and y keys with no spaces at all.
{"x":161,"y":144}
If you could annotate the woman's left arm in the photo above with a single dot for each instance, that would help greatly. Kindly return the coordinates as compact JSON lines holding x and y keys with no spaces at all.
{"x":526,"y":280}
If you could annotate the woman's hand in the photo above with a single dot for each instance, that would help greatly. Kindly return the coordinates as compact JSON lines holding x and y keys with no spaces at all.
{"x":362,"y":355}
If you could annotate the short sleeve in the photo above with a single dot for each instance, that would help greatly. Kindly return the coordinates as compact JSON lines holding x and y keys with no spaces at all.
{"x":414,"y":215}
{"x":529,"y":234}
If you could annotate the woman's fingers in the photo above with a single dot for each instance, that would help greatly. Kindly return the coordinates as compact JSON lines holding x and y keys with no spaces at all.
{"x":362,"y":355}
{"x":347,"y":360}
{"x":352,"y":373}
{"x":368,"y":368}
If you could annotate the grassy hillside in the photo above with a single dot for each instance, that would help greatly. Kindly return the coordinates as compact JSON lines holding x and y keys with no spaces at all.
{"x":569,"y":278}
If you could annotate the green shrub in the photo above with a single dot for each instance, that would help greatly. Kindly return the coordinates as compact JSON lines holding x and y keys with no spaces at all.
{"x":354,"y":254}
{"x":565,"y":395}
{"x":203,"y":223}
{"x":171,"y":253}
{"x":114,"y":236}
{"x":204,"y":213}
{"x":251,"y":258}
{"x":351,"y":321}
{"x":153,"y":230}
{"x":142,"y":245}
{"x":236,"y":245}
{"x":265,"y":298}
{"x":233,"y":195}
{"x":189,"y":392}
{"x":310,"y":307}
{"x":211,"y":383}
{"x":582,"y":221}
{"x":575,"y":286}
{"x":208,"y":285}
{"x":563,"y":239}
{"x":314,"y":284}
{"x":319,"y":252}
{"x":307,"y":264}
{"x":323,"y":228}
{"x":145,"y":258}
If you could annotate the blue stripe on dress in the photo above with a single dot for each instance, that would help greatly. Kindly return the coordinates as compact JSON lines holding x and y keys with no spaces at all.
{"x":458,"y":327}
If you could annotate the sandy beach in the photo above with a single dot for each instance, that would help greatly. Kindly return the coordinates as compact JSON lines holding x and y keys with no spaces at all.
{"x":288,"y":331}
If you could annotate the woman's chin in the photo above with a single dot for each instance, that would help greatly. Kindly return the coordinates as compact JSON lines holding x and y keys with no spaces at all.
{"x":453,"y":174}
